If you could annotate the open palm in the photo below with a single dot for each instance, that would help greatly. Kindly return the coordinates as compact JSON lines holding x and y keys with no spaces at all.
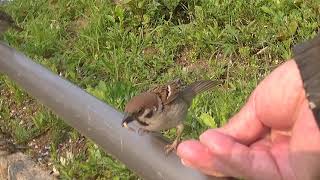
{"x":274,"y":136}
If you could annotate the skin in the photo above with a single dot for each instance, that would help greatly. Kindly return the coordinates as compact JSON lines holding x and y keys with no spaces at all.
{"x":274,"y":136}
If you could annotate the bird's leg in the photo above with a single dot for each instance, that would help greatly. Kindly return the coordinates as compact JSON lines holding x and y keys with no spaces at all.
{"x":175,"y":143}
{"x":142,"y":131}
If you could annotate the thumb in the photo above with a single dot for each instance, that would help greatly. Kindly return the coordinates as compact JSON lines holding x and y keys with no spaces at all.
{"x":273,"y":104}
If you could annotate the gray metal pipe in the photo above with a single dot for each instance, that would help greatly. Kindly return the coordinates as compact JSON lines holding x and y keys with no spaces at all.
{"x":94,"y":119}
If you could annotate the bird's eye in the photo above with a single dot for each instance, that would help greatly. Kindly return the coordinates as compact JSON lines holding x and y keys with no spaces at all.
{"x":149,"y":115}
{"x":139,"y":112}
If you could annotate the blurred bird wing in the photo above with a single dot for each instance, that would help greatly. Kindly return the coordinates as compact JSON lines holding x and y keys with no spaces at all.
{"x":168,"y":92}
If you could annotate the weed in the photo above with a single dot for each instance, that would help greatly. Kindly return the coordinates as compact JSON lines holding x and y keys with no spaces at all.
{"x":114,"y":49}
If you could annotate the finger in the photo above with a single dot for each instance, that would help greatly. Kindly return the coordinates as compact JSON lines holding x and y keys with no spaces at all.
{"x":278,"y":145}
{"x":263,"y":144}
{"x":272,"y":105}
{"x":238,"y":159}
{"x":245,"y":127}
{"x":279,"y":97}
{"x":275,"y":135}
{"x":195,"y":155}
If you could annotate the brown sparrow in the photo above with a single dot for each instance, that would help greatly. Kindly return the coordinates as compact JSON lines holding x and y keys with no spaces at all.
{"x":164,"y":107}
{"x":6,"y":22}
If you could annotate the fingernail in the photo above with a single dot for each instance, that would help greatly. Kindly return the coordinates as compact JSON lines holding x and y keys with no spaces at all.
{"x":185,"y":162}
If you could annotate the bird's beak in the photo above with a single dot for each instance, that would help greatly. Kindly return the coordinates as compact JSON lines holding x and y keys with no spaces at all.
{"x":126,"y":119}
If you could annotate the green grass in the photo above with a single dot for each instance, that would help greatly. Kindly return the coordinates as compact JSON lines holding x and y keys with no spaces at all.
{"x":115,"y":50}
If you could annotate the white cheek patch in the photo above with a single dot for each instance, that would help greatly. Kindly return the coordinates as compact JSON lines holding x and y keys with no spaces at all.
{"x":145,"y":112}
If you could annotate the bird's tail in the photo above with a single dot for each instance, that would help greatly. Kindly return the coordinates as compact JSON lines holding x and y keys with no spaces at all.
{"x":198,"y":87}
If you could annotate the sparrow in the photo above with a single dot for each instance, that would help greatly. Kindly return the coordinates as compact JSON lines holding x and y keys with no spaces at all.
{"x":7,"y":22}
{"x":164,"y":107}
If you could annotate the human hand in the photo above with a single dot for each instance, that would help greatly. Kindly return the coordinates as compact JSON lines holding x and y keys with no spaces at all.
{"x":274,"y":136}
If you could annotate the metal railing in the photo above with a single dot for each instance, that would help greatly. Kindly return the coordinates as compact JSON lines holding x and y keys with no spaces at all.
{"x":94,"y":119}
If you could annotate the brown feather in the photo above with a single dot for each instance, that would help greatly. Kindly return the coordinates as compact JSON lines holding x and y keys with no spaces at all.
{"x":143,"y":106}
{"x":198,"y":87}
{"x":168,"y":92}
{"x":142,"y":101}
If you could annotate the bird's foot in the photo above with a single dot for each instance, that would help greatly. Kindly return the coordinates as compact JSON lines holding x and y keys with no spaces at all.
{"x":142,"y":131}
{"x":171,"y":147}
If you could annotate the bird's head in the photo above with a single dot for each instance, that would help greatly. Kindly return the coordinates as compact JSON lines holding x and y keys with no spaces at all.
{"x":137,"y":106}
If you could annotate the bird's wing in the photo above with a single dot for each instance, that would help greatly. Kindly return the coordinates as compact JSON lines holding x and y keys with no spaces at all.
{"x":168,"y":92}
